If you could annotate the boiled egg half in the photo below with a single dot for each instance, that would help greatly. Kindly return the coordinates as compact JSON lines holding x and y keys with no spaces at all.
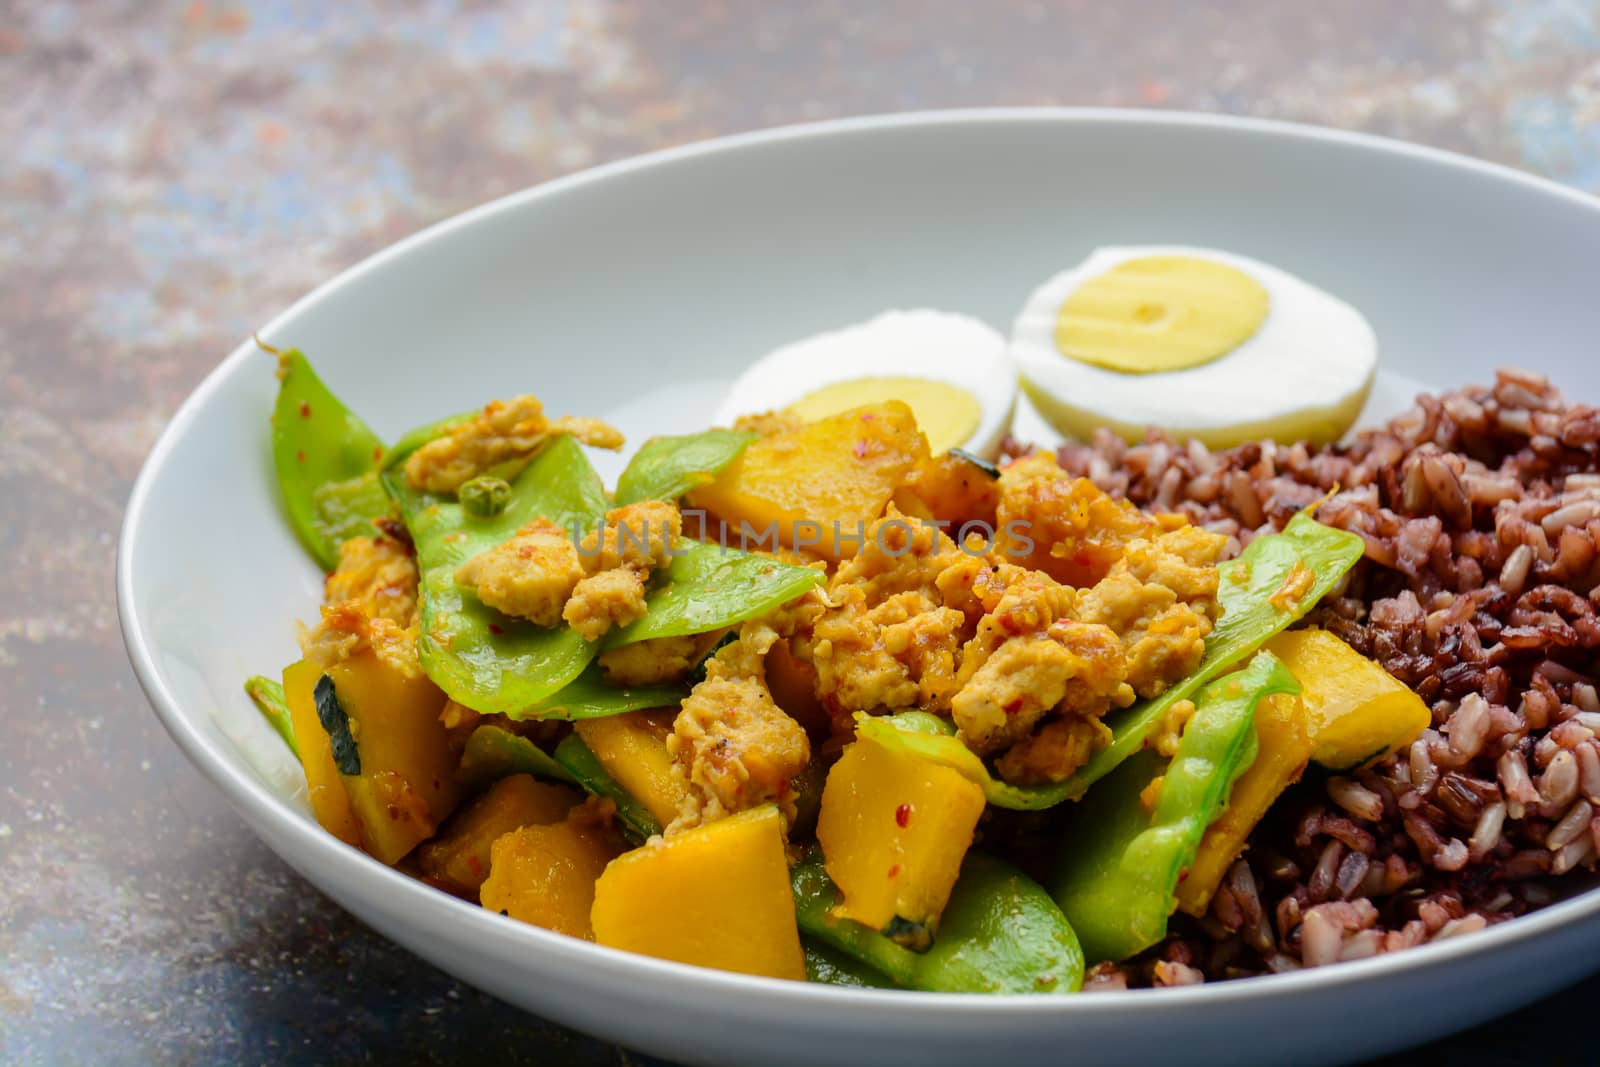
{"x":953,"y":371}
{"x":1200,"y":343}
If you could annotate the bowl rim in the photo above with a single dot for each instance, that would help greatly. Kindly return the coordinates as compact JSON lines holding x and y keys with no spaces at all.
{"x":449,"y":917}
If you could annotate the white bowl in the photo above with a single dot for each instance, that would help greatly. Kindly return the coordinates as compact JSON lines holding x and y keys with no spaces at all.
{"x":635,"y":291}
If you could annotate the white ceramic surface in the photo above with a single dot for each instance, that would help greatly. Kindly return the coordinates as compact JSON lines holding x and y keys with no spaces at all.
{"x":637,"y":289}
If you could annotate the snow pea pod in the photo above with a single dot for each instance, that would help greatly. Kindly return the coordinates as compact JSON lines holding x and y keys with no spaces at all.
{"x":1000,"y":933}
{"x":708,"y":587}
{"x":494,"y":752}
{"x":491,"y":662}
{"x":665,"y":468}
{"x":1275,"y":581}
{"x":830,"y":966}
{"x":1120,"y":863}
{"x":267,"y":693}
{"x":326,"y":460}
{"x":588,"y":696}
{"x":586,"y":770}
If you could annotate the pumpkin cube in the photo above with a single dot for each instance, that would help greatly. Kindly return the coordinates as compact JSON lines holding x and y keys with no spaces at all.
{"x":1357,"y":711}
{"x":545,"y":875}
{"x":894,"y":828}
{"x":329,"y":802}
{"x":633,"y":750}
{"x":459,"y":857}
{"x":799,"y":483}
{"x":714,"y":896}
{"x":407,"y":784}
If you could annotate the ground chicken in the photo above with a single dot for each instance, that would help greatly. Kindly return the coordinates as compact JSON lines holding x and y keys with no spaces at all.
{"x":900,"y":653}
{"x":1073,"y":669}
{"x":639,"y":535}
{"x":371,"y":602}
{"x":1054,"y":752}
{"x":658,"y":660}
{"x":1065,"y":526}
{"x":1161,"y":598}
{"x":504,"y":430}
{"x":530,"y":575}
{"x":732,"y":746}
{"x":609,"y":598}
{"x":885,"y":640}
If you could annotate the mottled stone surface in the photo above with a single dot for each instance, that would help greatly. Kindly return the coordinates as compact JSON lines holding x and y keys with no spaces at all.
{"x":174,"y":174}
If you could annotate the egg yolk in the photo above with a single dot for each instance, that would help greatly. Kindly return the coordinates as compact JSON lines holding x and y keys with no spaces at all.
{"x":945,"y":413}
{"x":1160,"y":313}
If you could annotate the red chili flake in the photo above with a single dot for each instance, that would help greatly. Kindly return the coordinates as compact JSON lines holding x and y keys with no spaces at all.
{"x":494,"y":628}
{"x":894,"y":872}
{"x":902,"y":816}
{"x":305,"y":409}
{"x":475,"y":865}
{"x":377,"y":453}
{"x":300,"y":457}
{"x":1014,"y":706}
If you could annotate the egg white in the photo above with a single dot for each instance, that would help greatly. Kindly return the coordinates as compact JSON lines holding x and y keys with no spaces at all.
{"x":940,"y":346}
{"x":1304,"y":373}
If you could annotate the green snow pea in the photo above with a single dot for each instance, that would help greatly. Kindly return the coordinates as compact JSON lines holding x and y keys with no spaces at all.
{"x":665,"y":468}
{"x":491,"y":662}
{"x":326,"y":459}
{"x":830,"y":966}
{"x":586,"y":770}
{"x":707,"y":587}
{"x":588,"y":696}
{"x":494,"y":752}
{"x":267,"y":693}
{"x":1252,"y":611}
{"x":1120,"y":862}
{"x":1000,"y":933}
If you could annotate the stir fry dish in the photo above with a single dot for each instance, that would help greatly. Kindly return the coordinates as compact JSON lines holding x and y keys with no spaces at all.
{"x":857,"y":689}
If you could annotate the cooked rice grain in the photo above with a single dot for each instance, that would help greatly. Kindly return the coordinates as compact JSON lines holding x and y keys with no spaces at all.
{"x":1480,"y":589}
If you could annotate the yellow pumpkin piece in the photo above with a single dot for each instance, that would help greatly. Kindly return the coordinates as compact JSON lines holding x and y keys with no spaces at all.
{"x":545,"y":875}
{"x":407,"y":785}
{"x":459,"y":857}
{"x":715,"y":896}
{"x":798,"y":483}
{"x":894,"y":829}
{"x":1283,"y":731}
{"x":633,"y":750}
{"x":953,"y":489}
{"x":1357,"y":711}
{"x":329,"y":802}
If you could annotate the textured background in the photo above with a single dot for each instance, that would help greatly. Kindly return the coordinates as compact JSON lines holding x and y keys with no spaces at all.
{"x":174,"y":174}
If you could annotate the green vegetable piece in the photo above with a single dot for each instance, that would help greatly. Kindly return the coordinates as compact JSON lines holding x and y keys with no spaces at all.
{"x":586,"y":770}
{"x":1000,"y":933}
{"x":708,"y":587}
{"x":1120,"y":862}
{"x":589,"y":697}
{"x":485,"y":496}
{"x":326,"y":459}
{"x":830,"y":966}
{"x":334,"y":720}
{"x":488,"y":661}
{"x":1247,"y":592}
{"x":494,"y":752}
{"x":267,"y":693}
{"x":665,"y":468}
